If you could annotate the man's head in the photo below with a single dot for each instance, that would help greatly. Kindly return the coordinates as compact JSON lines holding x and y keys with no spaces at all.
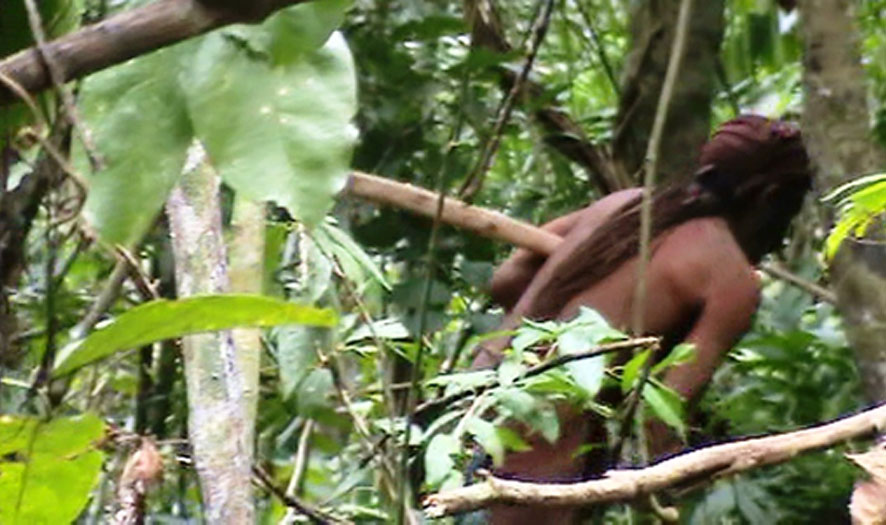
{"x":759,"y":171}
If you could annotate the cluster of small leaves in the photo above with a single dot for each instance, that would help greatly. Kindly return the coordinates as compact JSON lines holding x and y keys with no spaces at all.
{"x":511,"y":407}
{"x":859,"y":202}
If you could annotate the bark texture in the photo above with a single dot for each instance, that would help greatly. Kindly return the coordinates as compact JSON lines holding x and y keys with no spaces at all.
{"x":219,"y":427}
{"x":247,"y":276}
{"x":654,"y":23}
{"x":836,"y":127}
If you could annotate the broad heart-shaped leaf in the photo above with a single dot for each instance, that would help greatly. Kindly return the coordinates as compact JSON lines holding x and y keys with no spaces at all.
{"x":140,"y":126}
{"x":164,"y":319}
{"x":48,"y":469}
{"x":280,"y":132}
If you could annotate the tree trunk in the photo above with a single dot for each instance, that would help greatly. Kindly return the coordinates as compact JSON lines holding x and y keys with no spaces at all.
{"x":837,"y":133}
{"x":219,"y":426}
{"x":247,"y":276}
{"x":688,"y":125}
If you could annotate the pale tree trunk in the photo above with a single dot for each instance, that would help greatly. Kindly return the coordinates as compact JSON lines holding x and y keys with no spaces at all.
{"x":836,"y":127}
{"x":219,"y":424}
{"x":247,"y":276}
{"x":688,"y":124}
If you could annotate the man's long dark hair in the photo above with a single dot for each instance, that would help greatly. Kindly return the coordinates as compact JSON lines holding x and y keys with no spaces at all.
{"x":754,"y":173}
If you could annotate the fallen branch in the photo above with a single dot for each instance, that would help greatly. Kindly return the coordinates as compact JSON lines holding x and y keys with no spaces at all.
{"x":623,"y":485}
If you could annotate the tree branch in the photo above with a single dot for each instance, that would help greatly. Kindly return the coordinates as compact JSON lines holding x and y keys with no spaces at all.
{"x":481,"y":221}
{"x":124,"y":36}
{"x":623,"y":485}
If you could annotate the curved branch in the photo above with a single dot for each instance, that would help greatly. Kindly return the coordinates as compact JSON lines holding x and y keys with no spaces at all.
{"x":457,"y":213}
{"x":623,"y":485}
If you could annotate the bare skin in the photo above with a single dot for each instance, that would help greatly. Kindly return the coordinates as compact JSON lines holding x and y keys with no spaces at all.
{"x":699,"y":282}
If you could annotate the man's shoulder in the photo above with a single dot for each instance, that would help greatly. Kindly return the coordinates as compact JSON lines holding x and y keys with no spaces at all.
{"x":702,"y":254}
{"x":704,"y":236}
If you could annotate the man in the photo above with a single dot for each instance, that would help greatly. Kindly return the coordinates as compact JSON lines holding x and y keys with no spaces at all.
{"x":701,"y":284}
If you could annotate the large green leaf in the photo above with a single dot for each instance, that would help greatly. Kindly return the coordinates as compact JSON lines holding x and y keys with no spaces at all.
{"x":47,"y":470}
{"x":272,"y":106}
{"x":139,"y":122}
{"x":666,"y":404}
{"x":164,"y":319}
{"x":281,"y":132}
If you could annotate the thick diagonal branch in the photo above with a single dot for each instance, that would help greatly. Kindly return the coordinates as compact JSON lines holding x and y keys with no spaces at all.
{"x":623,"y":485}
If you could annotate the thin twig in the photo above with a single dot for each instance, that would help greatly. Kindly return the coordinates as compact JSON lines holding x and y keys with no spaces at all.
{"x":651,"y":162}
{"x":141,"y":281}
{"x":778,"y":271}
{"x":403,"y":511}
{"x":598,"y":47}
{"x":58,"y":81}
{"x":47,"y":145}
{"x":387,"y":393}
{"x":61,"y":271}
{"x":315,"y":515}
{"x":102,"y":302}
{"x":631,"y":404}
{"x":360,"y":423}
{"x":301,"y":458}
{"x":474,"y":182}
{"x":48,"y":356}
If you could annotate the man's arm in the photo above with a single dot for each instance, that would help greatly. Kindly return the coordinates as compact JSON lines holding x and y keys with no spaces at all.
{"x":725,"y":317}
{"x":729,"y":294}
{"x":513,"y":276}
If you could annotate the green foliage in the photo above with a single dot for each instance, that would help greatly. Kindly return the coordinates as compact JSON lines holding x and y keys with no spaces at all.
{"x":272,"y":109}
{"x":533,"y":402}
{"x":164,"y":319}
{"x":859,"y":202}
{"x":48,"y":469}
{"x":427,"y":104}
